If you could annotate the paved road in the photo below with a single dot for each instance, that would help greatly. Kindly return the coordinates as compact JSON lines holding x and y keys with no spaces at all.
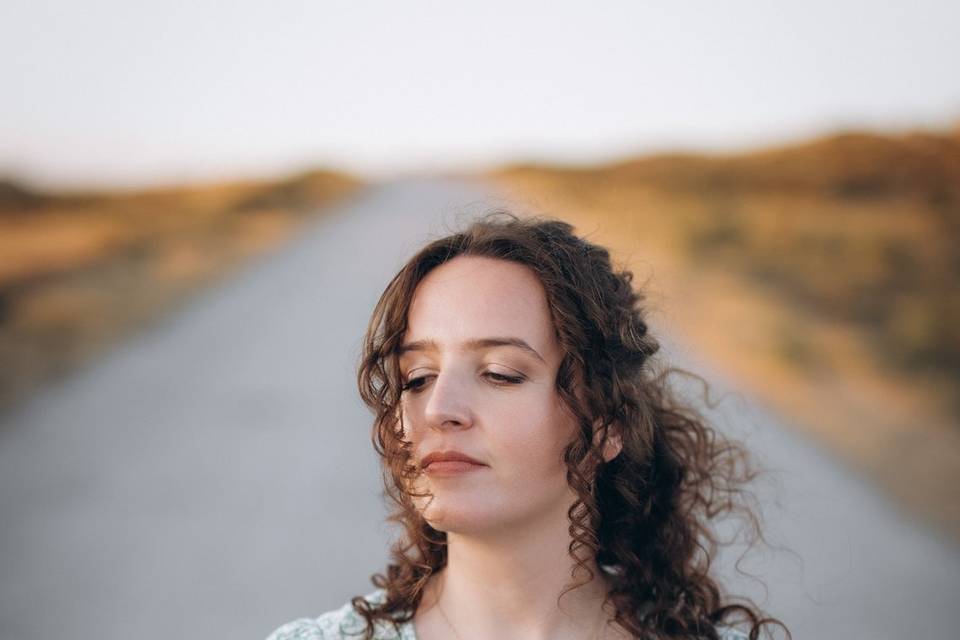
{"x":214,"y":478}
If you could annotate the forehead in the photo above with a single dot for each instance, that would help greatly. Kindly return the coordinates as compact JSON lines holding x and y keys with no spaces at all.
{"x":473,"y":297}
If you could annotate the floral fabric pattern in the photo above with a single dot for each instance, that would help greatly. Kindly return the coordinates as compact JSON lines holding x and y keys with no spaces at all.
{"x":345,"y":624}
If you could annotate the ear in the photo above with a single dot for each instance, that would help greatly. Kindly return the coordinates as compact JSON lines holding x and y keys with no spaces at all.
{"x":614,"y":444}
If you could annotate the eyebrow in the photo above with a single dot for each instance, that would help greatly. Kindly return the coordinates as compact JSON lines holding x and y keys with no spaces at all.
{"x":475,"y":344}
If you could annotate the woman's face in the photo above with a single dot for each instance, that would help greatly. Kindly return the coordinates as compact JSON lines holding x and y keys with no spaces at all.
{"x":480,"y":361}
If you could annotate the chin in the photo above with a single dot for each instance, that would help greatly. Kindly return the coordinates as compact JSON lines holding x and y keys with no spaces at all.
{"x":461,"y":518}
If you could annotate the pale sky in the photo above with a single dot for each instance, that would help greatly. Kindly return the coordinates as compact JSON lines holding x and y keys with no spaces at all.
{"x":127,"y":92}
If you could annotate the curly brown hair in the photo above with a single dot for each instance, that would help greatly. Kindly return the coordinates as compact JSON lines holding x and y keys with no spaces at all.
{"x":645,"y":516}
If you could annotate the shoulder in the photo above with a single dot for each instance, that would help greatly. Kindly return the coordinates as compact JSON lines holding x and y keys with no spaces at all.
{"x":339,"y":624}
{"x":729,"y":633}
{"x":299,"y":629}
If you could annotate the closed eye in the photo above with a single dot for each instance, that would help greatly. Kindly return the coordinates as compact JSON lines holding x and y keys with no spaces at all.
{"x":413,"y":384}
{"x":416,"y":384}
{"x":504,"y":378}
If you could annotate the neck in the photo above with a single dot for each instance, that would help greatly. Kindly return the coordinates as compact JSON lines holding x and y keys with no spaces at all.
{"x":512,"y":580}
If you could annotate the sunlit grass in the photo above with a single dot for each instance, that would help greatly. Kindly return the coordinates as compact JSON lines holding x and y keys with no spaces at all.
{"x":823,"y":275}
{"x":80,"y":270}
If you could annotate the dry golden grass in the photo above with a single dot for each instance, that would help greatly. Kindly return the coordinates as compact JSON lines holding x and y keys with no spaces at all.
{"x":79,"y":270}
{"x":823,"y":277}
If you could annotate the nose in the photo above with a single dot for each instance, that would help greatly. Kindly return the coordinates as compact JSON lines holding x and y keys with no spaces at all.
{"x":448,"y":403}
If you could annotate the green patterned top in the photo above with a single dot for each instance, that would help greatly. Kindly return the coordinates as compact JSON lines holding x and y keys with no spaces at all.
{"x":345,"y":623}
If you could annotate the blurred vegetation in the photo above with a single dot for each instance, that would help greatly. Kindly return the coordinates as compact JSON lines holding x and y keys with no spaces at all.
{"x":78,"y":270}
{"x":858,"y":228}
{"x":823,"y":277}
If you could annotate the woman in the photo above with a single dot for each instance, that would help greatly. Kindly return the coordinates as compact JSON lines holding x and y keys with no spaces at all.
{"x":548,"y":483}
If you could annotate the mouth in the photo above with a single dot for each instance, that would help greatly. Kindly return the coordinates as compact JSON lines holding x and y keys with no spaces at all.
{"x":449,"y":463}
{"x":450,"y":468}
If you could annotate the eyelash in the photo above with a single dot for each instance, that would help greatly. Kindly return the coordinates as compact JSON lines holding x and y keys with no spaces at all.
{"x":505,"y":381}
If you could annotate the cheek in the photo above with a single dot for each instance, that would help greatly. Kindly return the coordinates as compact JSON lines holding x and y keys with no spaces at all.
{"x":411,"y":429}
{"x":534,"y":446}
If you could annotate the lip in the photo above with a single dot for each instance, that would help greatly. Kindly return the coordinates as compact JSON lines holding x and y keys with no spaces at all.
{"x":449,"y":462}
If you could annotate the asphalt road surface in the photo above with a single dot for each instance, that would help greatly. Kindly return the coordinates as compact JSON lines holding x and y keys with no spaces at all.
{"x":213,"y":477}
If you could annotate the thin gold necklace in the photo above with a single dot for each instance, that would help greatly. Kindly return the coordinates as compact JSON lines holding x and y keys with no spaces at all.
{"x":447,"y":620}
{"x":593,"y":636}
